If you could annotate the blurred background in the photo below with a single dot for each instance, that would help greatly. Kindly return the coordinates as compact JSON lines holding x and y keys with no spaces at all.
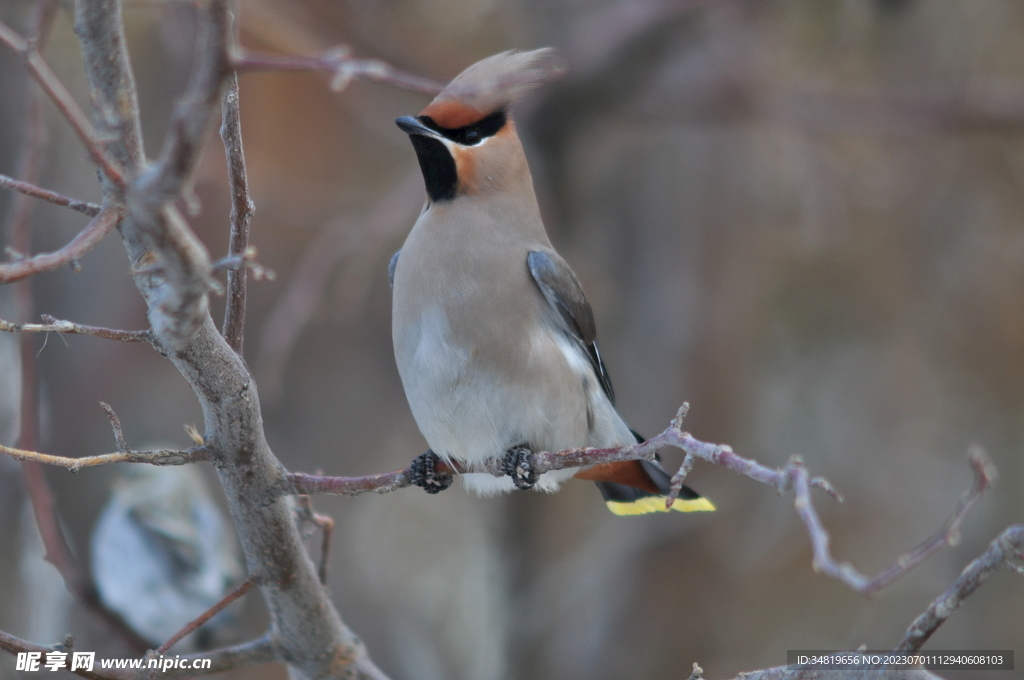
{"x":804,"y":217}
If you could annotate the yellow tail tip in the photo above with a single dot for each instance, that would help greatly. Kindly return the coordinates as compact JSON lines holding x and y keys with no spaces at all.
{"x":649,"y":504}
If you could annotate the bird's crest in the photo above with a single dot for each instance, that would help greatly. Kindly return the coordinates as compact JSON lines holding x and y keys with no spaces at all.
{"x":492,"y":84}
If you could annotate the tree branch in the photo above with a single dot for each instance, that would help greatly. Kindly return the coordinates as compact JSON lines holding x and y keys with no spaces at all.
{"x":236,"y":592}
{"x":242,"y":209}
{"x":86,"y":240}
{"x":153,"y":457}
{"x":47,"y":79}
{"x":53,"y":325}
{"x":325,"y":523}
{"x":123,"y":455}
{"x":792,"y":477}
{"x":1007,"y":550}
{"x":84,"y":207}
{"x":172,"y":272}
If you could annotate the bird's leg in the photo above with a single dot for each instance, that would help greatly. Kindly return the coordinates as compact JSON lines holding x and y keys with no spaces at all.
{"x":517,"y":466}
{"x":424,"y":476}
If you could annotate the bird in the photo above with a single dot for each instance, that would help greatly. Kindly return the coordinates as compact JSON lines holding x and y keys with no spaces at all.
{"x":494,"y":340}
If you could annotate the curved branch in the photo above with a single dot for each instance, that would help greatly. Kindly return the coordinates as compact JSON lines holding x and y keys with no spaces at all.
{"x":86,"y":240}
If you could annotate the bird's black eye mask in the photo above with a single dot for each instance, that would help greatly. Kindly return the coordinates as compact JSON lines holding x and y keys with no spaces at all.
{"x":470,"y":135}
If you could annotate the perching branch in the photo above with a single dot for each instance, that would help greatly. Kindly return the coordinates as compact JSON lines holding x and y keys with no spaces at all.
{"x":793,"y":477}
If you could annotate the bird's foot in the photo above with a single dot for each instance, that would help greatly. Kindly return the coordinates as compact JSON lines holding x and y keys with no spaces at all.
{"x":425,"y":476}
{"x":517,"y":466}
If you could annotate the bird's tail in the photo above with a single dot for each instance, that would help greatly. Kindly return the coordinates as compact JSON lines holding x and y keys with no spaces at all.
{"x":639,"y":487}
{"x":624,"y":499}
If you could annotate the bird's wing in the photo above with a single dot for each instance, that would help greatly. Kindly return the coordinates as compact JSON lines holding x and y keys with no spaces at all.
{"x":565,"y":295}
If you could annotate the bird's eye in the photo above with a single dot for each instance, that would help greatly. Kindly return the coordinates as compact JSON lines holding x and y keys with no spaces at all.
{"x":472,"y":136}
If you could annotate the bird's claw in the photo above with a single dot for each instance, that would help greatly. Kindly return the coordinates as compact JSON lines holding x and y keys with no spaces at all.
{"x":517,"y":466}
{"x":424,"y":473}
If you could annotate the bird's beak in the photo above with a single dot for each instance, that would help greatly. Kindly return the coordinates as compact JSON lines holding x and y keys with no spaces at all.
{"x":412,"y":126}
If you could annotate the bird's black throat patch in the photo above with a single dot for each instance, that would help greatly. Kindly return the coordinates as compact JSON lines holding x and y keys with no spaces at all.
{"x":438,"y":167}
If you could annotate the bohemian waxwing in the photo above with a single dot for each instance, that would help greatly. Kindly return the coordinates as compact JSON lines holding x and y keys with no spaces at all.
{"x":494,"y":339}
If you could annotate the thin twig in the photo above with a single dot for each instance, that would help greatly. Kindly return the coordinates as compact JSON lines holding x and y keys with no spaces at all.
{"x":100,"y":226}
{"x":846,"y":573}
{"x":325,"y":523}
{"x":236,"y":592}
{"x":245,"y":260}
{"x":153,"y":457}
{"x":242,"y":209}
{"x":47,"y":79}
{"x":344,"y":68}
{"x":53,"y":325}
{"x":949,"y":535}
{"x":115,"y":423}
{"x":90,"y":209}
{"x":1006,"y":550}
